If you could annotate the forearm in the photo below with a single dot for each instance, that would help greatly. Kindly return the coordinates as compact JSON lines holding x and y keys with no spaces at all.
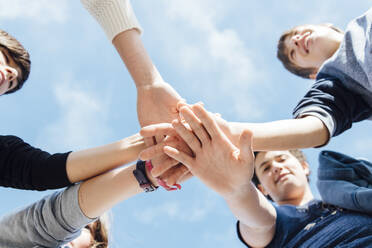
{"x":131,"y":50}
{"x":121,"y":26}
{"x":85,"y":164}
{"x":256,"y":215}
{"x":284,"y":134}
{"x":101,"y":193}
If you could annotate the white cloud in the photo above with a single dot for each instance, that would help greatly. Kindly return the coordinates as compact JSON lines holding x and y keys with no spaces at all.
{"x":41,"y":10}
{"x":197,"y":45}
{"x":82,"y":122}
{"x":193,"y":210}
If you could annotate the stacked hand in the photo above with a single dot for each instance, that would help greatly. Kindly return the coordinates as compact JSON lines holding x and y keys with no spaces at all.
{"x":214,"y":159}
{"x":157,"y":103}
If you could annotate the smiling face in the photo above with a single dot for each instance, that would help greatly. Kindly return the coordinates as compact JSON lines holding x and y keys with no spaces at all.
{"x":309,"y":46}
{"x":281,"y":176}
{"x":10,"y":73}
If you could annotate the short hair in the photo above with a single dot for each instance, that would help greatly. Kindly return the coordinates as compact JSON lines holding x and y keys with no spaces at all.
{"x":298,"y":154}
{"x":20,"y":56}
{"x":282,"y":55}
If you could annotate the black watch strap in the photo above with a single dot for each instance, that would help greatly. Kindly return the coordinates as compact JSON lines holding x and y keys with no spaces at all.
{"x":140,"y":174}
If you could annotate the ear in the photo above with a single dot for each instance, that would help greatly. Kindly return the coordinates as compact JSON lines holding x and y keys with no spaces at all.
{"x":306,"y":168}
{"x":262,"y":189}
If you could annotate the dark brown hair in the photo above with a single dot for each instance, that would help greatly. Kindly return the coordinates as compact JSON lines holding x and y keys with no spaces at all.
{"x":99,"y":232}
{"x":19,"y":55}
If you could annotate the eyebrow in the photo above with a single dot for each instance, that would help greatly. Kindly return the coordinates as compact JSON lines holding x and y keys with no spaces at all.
{"x":266,"y":161}
{"x":262,"y":164}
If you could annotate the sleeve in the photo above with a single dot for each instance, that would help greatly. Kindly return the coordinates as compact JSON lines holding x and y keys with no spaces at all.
{"x":239,"y":234}
{"x":25,"y":167}
{"x":50,"y":222}
{"x":114,"y":16}
{"x":280,"y":230}
{"x":345,"y":181}
{"x":333,"y":104}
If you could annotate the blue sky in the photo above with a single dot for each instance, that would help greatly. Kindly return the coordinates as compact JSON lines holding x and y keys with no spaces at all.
{"x":80,"y":95}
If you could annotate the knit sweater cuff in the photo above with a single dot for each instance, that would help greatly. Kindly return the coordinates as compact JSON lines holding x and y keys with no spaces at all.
{"x":114,"y":16}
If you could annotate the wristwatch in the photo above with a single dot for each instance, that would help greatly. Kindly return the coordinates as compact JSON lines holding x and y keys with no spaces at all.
{"x":141,"y":176}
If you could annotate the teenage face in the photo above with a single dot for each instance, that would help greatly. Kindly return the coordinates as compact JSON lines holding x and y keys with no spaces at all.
{"x":83,"y":241}
{"x":9,"y":72}
{"x":281,"y":175}
{"x":308,"y":46}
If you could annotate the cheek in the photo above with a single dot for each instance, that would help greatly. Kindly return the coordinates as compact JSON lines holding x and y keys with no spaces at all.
{"x":83,"y":241}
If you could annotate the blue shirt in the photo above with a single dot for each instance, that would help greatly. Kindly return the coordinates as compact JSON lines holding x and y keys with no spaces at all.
{"x":318,"y":225}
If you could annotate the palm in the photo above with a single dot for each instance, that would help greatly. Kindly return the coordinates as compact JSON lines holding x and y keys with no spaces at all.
{"x":157,"y":103}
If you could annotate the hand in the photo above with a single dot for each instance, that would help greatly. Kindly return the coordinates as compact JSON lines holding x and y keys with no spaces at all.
{"x":217,"y":162}
{"x":167,"y":169}
{"x":157,"y":103}
{"x":224,"y":125}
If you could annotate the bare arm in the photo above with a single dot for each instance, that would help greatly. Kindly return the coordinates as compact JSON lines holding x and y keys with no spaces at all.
{"x":226,"y":169}
{"x":91,"y":162}
{"x":280,"y":135}
{"x":101,"y":193}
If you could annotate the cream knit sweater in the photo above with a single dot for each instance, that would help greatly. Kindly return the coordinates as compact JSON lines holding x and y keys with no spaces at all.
{"x":114,"y":16}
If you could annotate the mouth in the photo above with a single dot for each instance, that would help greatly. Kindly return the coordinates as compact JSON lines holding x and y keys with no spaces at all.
{"x":280,"y":177}
{"x":305,"y":41}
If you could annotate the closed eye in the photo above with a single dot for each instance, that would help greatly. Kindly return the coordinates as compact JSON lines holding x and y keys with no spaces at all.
{"x":266,"y":168}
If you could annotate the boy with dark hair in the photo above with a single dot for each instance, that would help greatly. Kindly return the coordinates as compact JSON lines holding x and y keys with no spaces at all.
{"x":340,"y":63}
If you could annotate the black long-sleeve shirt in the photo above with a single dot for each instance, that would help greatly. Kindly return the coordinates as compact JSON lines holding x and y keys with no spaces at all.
{"x":25,"y":167}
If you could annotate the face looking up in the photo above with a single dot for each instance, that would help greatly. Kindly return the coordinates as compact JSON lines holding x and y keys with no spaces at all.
{"x":281,"y":175}
{"x":9,"y":72}
{"x":309,"y":46}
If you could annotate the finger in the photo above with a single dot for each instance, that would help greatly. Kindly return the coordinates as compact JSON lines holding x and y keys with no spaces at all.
{"x":159,"y":138}
{"x":179,"y":156}
{"x":208,"y":122}
{"x":188,"y":136}
{"x":152,"y":152}
{"x":245,"y":146}
{"x":157,"y":129}
{"x":149,"y":141}
{"x":162,"y":164}
{"x":185,"y":177}
{"x":174,"y":174}
{"x":181,"y":104}
{"x":196,"y":125}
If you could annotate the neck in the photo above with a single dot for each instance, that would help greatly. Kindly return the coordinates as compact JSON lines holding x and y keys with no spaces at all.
{"x":302,"y":199}
{"x":337,"y":37}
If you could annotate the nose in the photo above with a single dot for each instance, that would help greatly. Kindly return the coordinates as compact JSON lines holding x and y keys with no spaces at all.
{"x":9,"y":73}
{"x":277,"y":167}
{"x":295,"y":39}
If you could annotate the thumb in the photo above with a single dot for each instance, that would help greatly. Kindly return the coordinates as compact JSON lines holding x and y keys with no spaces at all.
{"x":245,"y":146}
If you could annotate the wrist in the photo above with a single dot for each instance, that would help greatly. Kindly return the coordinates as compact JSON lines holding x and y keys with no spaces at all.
{"x":150,"y":84}
{"x":131,"y":146}
{"x":152,"y":179}
{"x":240,"y":194}
{"x":142,"y":177}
